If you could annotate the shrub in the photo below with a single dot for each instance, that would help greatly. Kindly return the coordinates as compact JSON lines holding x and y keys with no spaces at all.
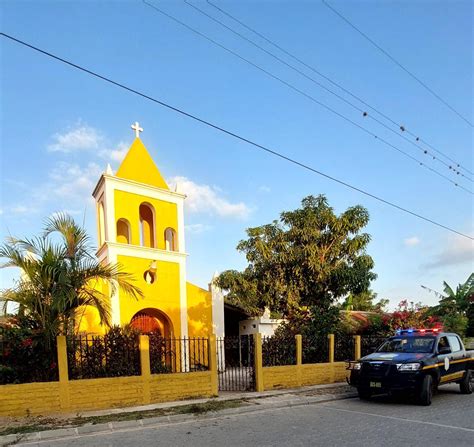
{"x":24,"y":356}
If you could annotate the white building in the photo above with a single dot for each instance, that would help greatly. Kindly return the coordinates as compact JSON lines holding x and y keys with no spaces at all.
{"x":263,"y":325}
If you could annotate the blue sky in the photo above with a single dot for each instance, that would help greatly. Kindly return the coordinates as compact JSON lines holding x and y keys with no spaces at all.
{"x":60,"y":127}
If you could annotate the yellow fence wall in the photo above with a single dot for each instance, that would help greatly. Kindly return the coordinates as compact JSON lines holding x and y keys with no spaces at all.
{"x":75,"y":396}
{"x":294,"y":376}
{"x":95,"y":394}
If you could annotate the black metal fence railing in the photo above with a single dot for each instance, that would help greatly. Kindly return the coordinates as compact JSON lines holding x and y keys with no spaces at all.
{"x":369,"y":343}
{"x":344,"y":347}
{"x":112,"y":355}
{"x":176,"y":355}
{"x":277,"y":351}
{"x":235,"y":363}
{"x":315,"y":350}
{"x":25,"y":358}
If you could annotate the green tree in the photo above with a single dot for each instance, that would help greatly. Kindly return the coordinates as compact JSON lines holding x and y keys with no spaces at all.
{"x":303,"y":262}
{"x":364,"y":301}
{"x":456,"y":306}
{"x":59,"y":277}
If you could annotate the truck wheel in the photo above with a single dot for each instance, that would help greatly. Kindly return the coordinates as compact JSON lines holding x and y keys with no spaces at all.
{"x":364,"y":394}
{"x":426,"y":391}
{"x":465,"y":385}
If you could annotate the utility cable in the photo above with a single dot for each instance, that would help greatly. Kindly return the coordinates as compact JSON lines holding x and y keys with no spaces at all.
{"x":308,"y":96}
{"x":396,"y":62}
{"x":235,"y":135}
{"x":454,"y":165}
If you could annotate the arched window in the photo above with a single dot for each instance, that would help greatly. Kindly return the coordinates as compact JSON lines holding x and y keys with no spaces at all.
{"x":147,"y":225}
{"x":171,"y":242}
{"x":101,"y":224}
{"x":123,"y":231}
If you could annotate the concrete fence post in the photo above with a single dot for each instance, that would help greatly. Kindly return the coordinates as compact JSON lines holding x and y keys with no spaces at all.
{"x":357,"y":347}
{"x":258,"y":363}
{"x":299,"y":349}
{"x":213,"y":364}
{"x":331,"y":348}
{"x":144,"y":346}
{"x":61,"y":346}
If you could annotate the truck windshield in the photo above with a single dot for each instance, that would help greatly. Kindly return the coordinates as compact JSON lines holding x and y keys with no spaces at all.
{"x":408,"y":344}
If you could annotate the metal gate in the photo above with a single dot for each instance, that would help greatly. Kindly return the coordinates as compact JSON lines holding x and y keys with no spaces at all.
{"x":235,"y":357}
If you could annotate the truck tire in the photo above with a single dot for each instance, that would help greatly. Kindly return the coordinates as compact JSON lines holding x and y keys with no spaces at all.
{"x":465,"y":385}
{"x":426,"y":391}
{"x":364,"y":394}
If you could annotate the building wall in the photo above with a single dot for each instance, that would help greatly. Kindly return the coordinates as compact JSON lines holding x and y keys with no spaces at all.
{"x":126,"y":205}
{"x":163,"y":294}
{"x":199,"y":311}
{"x":264,"y":326}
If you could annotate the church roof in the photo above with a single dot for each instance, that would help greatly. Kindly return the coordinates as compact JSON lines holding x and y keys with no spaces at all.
{"x":140,"y":167}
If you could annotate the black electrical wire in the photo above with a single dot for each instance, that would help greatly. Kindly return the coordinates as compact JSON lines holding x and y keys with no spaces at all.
{"x":235,"y":135}
{"x":308,"y":96}
{"x":454,"y":165}
{"x":396,"y":62}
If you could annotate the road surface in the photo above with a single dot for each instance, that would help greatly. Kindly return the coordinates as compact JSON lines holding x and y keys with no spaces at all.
{"x":449,"y":421}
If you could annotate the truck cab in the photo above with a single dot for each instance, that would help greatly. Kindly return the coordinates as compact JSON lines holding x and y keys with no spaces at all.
{"x":415,"y":361}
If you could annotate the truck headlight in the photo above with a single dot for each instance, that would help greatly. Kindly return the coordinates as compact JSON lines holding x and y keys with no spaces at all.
{"x":409,"y":366}
{"x":356,"y":365}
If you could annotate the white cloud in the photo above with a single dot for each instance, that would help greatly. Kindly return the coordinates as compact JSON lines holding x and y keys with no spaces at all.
{"x":117,"y":154}
{"x":208,"y":199}
{"x":411,"y":241}
{"x":264,"y":188}
{"x":19,"y":209}
{"x":71,"y":181}
{"x":457,"y":250}
{"x":80,"y":138}
{"x":197,"y":228}
{"x":85,"y":138}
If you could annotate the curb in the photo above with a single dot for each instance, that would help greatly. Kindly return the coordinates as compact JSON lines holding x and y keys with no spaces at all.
{"x":110,"y":427}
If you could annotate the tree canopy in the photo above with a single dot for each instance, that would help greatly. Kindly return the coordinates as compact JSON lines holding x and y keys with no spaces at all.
{"x":364,"y":301}
{"x":308,"y":258}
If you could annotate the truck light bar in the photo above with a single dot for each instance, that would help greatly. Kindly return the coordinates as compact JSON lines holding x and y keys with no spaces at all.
{"x":417,"y":331}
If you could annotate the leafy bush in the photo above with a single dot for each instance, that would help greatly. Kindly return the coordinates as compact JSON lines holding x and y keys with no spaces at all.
{"x":114,"y":354}
{"x":24,"y":356}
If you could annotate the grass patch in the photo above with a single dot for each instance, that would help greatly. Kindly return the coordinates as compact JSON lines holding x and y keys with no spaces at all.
{"x":42,"y":424}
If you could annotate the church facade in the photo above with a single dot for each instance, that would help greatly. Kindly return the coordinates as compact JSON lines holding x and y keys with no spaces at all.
{"x":140,"y":226}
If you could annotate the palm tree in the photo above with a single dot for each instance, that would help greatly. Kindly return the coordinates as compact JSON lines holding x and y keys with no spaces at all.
{"x":60,"y":277}
{"x":456,"y":303}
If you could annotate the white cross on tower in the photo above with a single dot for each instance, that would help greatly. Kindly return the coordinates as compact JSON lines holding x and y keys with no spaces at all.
{"x":136,"y":127}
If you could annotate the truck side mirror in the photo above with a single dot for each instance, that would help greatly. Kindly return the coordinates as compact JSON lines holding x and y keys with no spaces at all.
{"x":444,"y":350}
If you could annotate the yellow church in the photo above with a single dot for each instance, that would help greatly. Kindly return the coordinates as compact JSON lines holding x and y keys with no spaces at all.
{"x":140,"y":225}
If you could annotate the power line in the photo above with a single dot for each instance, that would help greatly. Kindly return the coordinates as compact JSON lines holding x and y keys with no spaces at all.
{"x":234,"y":135}
{"x":395,"y":61}
{"x":308,"y":96}
{"x":454,"y":164}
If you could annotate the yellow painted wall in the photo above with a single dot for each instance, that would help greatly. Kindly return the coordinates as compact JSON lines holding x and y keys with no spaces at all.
{"x":163,"y":294}
{"x":199,"y":311}
{"x":140,"y":167}
{"x":293,"y":376}
{"x":87,"y":318}
{"x":96,"y":394}
{"x":127,"y":207}
{"x":29,"y":398}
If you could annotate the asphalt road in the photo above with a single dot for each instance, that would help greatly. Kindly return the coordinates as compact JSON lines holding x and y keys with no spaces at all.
{"x":449,"y":421}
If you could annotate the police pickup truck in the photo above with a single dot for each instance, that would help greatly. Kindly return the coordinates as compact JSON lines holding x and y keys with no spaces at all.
{"x":415,"y":361}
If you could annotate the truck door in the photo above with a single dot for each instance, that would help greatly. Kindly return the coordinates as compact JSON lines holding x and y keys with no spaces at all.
{"x":444,"y":359}
{"x":458,"y":365}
